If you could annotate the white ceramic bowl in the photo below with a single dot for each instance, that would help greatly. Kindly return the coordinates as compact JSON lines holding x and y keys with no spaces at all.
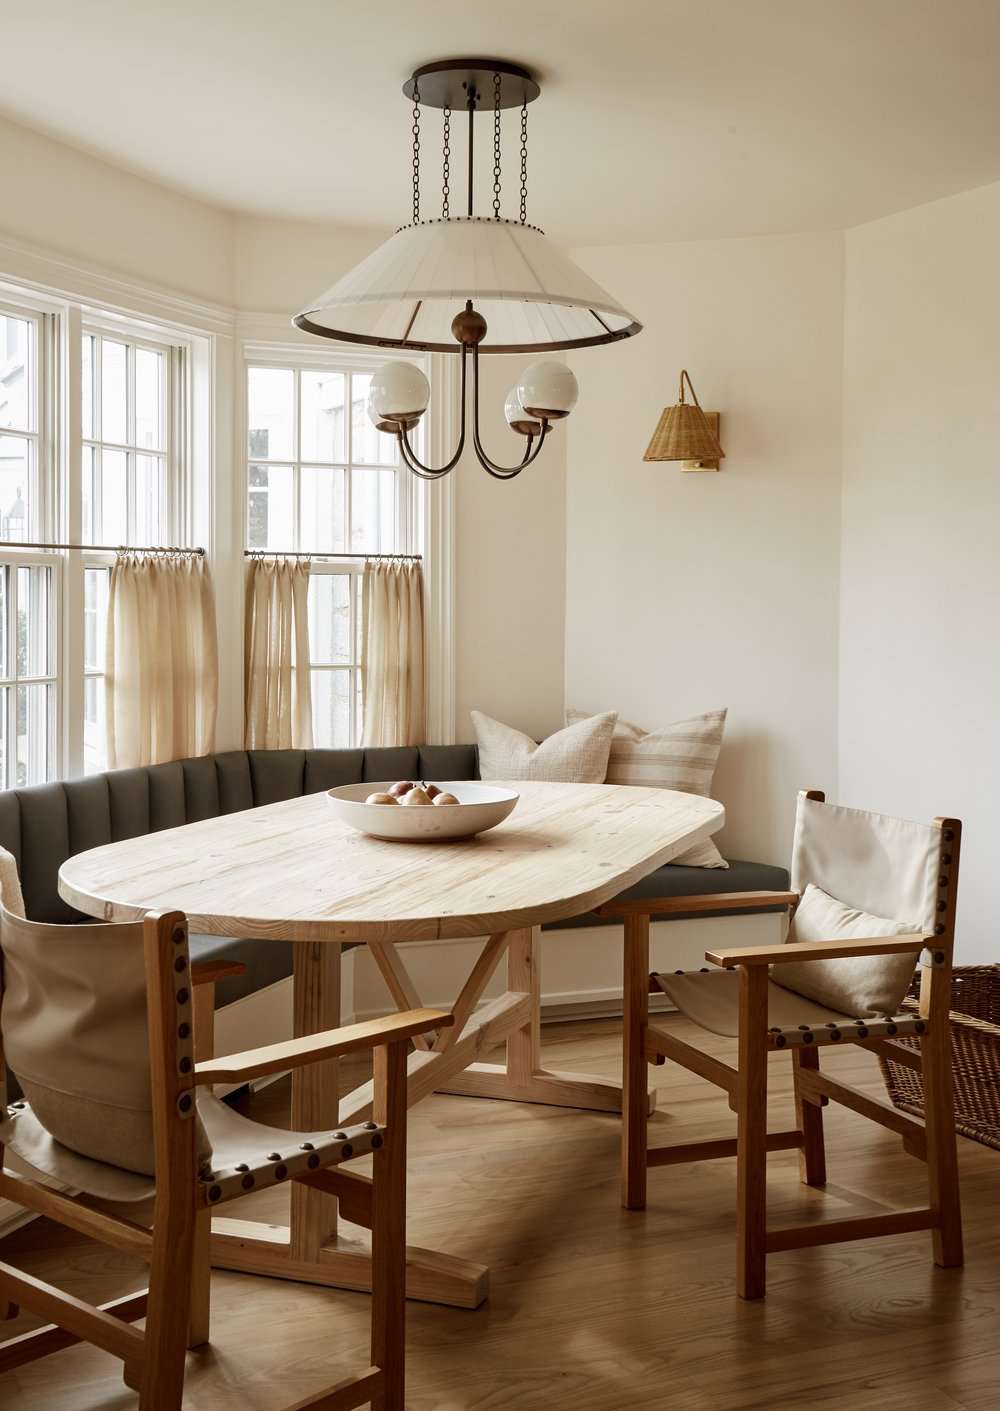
{"x":480,"y":806}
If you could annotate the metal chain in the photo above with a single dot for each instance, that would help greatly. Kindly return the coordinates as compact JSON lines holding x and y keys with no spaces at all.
{"x":446,"y":168}
{"x":416,"y":154}
{"x":496,"y":147}
{"x":524,"y":163}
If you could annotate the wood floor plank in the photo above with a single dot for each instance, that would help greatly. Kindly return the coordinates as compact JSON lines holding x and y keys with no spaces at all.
{"x":594,"y":1308}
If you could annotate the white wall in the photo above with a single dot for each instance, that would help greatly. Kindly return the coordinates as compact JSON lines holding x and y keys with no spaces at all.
{"x":686,"y":592}
{"x":56,"y":199}
{"x":920,"y":595}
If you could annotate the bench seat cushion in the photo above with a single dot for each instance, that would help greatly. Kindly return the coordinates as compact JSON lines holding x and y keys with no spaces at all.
{"x":673,"y":880}
{"x":266,"y":963}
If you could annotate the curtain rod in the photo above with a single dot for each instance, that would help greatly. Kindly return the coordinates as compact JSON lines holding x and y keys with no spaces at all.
{"x":305,"y":554}
{"x":105,"y":548}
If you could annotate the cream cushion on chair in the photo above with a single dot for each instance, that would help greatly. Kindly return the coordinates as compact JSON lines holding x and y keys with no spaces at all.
{"x":680,"y":756}
{"x":576,"y":755}
{"x":711,"y":999}
{"x":863,"y":986}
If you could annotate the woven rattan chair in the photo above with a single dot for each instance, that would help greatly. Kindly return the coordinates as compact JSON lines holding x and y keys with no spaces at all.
{"x":883,"y":868}
{"x":98,"y":1024}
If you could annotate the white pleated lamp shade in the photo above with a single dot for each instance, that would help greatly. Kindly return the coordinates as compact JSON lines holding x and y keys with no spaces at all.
{"x":406,"y":293}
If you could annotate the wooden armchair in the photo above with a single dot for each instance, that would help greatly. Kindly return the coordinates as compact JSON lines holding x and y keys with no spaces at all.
{"x":166,"y":1137}
{"x":879,"y":865}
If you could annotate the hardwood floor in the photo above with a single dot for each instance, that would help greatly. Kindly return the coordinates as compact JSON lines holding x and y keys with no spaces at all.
{"x":594,"y":1308}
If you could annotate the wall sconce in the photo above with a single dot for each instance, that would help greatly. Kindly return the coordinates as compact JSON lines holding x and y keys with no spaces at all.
{"x":686,"y":433}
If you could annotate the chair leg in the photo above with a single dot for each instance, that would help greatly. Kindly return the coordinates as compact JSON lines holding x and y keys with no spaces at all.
{"x":942,"y":1146}
{"x":200,"y":1322}
{"x":751,"y":1134}
{"x":169,"y":1314}
{"x":389,"y":1228}
{"x":635,"y":1103}
{"x":809,"y":1115}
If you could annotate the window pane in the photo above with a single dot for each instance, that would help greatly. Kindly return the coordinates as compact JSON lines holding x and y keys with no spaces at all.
{"x":94,"y":737}
{"x":4,"y":609}
{"x":96,"y":582}
{"x":271,"y":423}
{"x":113,"y":525}
{"x":33,"y":706}
{"x":373,"y":511}
{"x":272,"y":507}
{"x":34,"y":653}
{"x":323,"y":430}
{"x":91,"y":490}
{"x":150,"y":485}
{"x":331,"y":698}
{"x":148,"y":399}
{"x":16,"y":479}
{"x":330,"y":618}
{"x":368,"y":446}
{"x":114,"y":391}
{"x":89,"y":353}
{"x":17,"y":373}
{"x":323,"y":492}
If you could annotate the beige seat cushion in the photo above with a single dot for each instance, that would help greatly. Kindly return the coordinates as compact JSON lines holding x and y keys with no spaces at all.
{"x":576,"y":755}
{"x":711,"y":999}
{"x":680,"y":756}
{"x":863,"y":986}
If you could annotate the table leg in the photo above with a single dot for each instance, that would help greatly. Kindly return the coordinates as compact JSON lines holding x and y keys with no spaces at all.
{"x":311,"y":1249}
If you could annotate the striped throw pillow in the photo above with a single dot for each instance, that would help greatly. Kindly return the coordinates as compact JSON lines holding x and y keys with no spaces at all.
{"x":681,"y":756}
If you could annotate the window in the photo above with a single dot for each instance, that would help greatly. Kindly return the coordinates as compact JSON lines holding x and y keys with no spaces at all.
{"x":19,"y":424}
{"x":125,"y":440}
{"x":322,"y":480}
{"x":28,"y":703}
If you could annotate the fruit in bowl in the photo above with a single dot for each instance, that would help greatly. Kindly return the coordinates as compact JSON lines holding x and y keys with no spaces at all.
{"x":412,"y":795}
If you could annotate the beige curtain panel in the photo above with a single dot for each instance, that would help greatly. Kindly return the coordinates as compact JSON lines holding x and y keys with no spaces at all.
{"x":276,"y":655}
{"x":392,"y":653}
{"x":162,"y":664}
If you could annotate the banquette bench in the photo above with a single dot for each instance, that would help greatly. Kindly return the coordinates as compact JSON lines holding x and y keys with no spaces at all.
{"x":46,"y":823}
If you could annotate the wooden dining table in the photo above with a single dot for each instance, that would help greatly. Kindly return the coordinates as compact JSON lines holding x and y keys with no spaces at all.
{"x":292,"y":872}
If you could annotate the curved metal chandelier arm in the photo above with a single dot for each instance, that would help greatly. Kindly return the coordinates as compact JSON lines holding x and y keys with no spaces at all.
{"x":499,"y":472}
{"x":409,"y":456}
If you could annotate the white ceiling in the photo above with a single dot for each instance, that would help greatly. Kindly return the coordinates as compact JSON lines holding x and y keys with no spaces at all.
{"x":659,"y":119}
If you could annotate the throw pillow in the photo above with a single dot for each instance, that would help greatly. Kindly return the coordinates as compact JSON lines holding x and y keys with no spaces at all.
{"x":576,"y":755}
{"x":680,"y":756}
{"x":865,"y":986}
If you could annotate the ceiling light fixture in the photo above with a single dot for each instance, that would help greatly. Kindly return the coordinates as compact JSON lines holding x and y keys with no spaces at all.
{"x":470,"y":284}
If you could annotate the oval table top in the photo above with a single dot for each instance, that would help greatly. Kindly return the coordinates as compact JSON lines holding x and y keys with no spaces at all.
{"x":292,"y":871}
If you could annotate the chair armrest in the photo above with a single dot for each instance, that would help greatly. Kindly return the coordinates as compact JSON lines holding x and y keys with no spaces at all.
{"x":815,"y":950}
{"x":313,"y":1048}
{"x":206,"y":972}
{"x":709,"y":901}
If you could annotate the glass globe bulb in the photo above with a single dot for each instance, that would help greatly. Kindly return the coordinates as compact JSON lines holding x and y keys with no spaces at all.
{"x":548,"y":390}
{"x":398,"y":394}
{"x":517,"y":418}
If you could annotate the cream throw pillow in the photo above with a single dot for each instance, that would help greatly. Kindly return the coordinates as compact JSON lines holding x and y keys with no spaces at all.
{"x":865,"y":987}
{"x":576,"y":755}
{"x":680,"y":756}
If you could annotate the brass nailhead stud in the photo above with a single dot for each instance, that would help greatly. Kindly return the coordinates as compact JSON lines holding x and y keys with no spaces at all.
{"x":942,"y":906}
{"x":807,"y":1038}
{"x":942,"y":881}
{"x":780,"y":1041}
{"x":804,"y":1028}
{"x":185,"y":1065}
{"x":919,"y":1028}
{"x":184,"y":1030}
{"x":178,"y":936}
{"x":247,"y":1183}
{"x":340,"y":1136}
{"x":892,"y":1029}
{"x":280,"y":1172}
{"x":348,"y":1150}
{"x":949,"y":835}
{"x":835,"y":1035}
{"x":862,"y":1031}
{"x":946,"y":858}
{"x":215,"y":1193}
{"x":274,"y":1156}
{"x":939,"y":957}
{"x":241,"y":1167}
{"x":183,"y":996}
{"x":313,"y":1162}
{"x":371,"y":1126}
{"x":939,"y":929}
{"x":184,"y":1102}
{"x":180,"y":963}
{"x":376,"y":1141}
{"x":307,"y":1146}
{"x":830,"y":1024}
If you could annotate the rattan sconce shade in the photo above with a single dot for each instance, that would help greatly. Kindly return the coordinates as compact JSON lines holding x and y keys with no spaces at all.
{"x":684,"y":432}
